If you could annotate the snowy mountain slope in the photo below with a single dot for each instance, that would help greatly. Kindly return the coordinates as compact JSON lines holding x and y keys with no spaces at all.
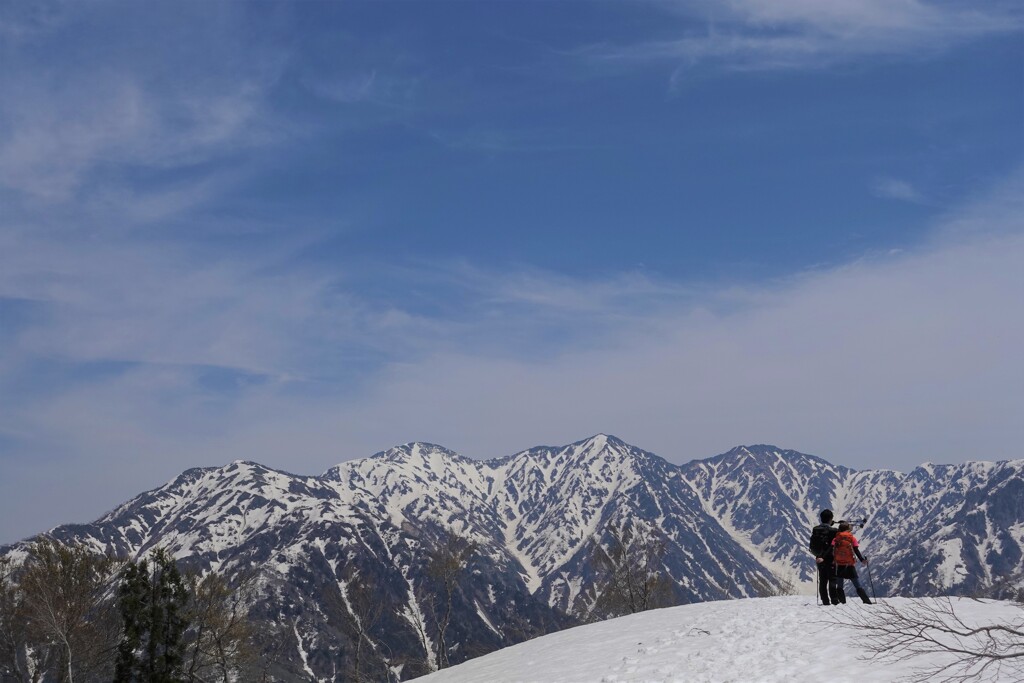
{"x":420,"y":481}
{"x":553,"y":500}
{"x":558,"y":502}
{"x":767,"y":498}
{"x":310,"y":535}
{"x":735,"y":525}
{"x":952,"y":528}
{"x":603,"y":482}
{"x":207,"y":511}
{"x":769,"y":640}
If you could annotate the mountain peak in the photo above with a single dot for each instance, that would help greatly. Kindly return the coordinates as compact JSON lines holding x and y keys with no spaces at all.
{"x":768,"y":453}
{"x":755,"y":449}
{"x":596,"y":456}
{"x":608,"y":440}
{"x":600,"y":442}
{"x":243,"y":465}
{"x":418,"y":450}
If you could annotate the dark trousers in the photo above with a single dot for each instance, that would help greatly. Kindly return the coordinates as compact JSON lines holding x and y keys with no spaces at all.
{"x":849,"y":572}
{"x":830,"y":589}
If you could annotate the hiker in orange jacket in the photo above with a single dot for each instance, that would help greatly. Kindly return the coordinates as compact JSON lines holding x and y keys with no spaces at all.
{"x":846,"y":552}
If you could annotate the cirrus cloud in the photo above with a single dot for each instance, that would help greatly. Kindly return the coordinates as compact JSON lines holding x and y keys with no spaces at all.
{"x":764,"y":35}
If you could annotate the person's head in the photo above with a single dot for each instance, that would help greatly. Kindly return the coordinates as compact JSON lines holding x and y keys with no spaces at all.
{"x":844,"y":526}
{"x":826,"y":516}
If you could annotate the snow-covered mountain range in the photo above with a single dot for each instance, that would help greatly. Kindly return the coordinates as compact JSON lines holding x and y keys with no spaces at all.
{"x":735,"y":525}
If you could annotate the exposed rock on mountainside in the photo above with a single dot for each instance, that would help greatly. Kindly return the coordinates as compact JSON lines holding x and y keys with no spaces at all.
{"x":732,"y":526}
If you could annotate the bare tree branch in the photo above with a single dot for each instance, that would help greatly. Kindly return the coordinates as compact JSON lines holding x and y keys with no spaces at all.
{"x":632,"y":577}
{"x":932,"y":629}
{"x":220,"y":633}
{"x":66,"y":595}
{"x":445,"y":564}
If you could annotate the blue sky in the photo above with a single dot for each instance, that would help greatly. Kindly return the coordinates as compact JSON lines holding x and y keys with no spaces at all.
{"x":300,"y":233}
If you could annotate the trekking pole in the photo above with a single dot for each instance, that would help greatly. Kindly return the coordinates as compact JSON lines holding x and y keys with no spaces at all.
{"x":871,"y":583}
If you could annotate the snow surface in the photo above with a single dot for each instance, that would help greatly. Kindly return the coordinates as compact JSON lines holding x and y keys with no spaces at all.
{"x":784,"y":639}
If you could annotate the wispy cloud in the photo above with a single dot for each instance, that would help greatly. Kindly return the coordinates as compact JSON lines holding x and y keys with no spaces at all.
{"x":762,"y":35}
{"x":23,"y":21}
{"x":61,"y":133}
{"x":500,"y":141}
{"x":824,"y":361}
{"x":894,"y":188}
{"x":370,"y":86}
{"x":172,"y":362}
{"x":107,"y":111}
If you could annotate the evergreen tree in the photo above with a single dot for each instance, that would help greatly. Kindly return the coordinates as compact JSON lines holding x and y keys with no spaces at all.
{"x":152,"y":601}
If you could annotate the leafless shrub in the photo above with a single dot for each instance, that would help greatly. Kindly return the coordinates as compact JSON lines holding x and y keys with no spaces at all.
{"x":446,"y":563}
{"x":360,"y":605}
{"x":765,"y":588}
{"x":931,"y":629}
{"x":632,"y":577}
{"x":67,"y":610}
{"x":14,"y":646}
{"x":220,"y":634}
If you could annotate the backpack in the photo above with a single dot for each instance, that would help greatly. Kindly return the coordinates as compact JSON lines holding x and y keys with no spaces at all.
{"x":844,"y":548}
{"x":821,"y":540}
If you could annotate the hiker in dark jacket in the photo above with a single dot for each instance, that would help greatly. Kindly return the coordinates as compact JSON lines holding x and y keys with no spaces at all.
{"x":829,"y":588}
{"x":845,"y":547}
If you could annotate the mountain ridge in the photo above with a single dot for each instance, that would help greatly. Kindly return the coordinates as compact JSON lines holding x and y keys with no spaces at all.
{"x":732,"y":525}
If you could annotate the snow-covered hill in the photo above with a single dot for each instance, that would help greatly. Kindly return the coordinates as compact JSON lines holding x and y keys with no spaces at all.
{"x":732,"y":526}
{"x":768,"y":640}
